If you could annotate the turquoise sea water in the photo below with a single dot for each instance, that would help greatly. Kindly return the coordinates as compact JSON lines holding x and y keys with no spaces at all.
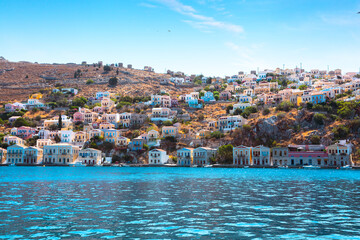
{"x":173,"y":203}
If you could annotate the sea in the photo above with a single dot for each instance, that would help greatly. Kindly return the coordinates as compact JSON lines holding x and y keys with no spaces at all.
{"x":178,"y":203}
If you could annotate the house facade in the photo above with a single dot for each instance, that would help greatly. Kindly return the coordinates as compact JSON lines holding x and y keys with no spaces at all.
{"x":60,"y":154}
{"x":90,"y":156}
{"x":185,"y":157}
{"x":203,"y":155}
{"x":158,"y":157}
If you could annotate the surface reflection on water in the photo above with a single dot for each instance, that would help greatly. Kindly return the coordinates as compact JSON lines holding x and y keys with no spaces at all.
{"x":158,"y":203}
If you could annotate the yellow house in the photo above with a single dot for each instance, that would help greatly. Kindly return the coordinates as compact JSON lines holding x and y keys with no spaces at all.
{"x":36,"y":96}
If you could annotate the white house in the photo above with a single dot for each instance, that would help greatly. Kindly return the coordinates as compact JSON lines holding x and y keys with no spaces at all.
{"x":158,"y":156}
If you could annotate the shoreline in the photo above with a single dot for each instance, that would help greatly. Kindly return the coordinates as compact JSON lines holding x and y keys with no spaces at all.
{"x":177,"y":166}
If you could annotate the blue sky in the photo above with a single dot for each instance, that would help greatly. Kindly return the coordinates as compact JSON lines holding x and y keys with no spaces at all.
{"x":212,"y":37}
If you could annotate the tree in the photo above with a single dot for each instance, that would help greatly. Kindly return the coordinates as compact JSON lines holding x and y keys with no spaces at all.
{"x":225,"y":154}
{"x":167,"y":123}
{"x":107,"y":68}
{"x":238,"y":111}
{"x":21,"y":122}
{"x":249,"y":110}
{"x":228,"y":108}
{"x":340,"y":132}
{"x":57,"y":139}
{"x":32,"y":141}
{"x":60,"y":122}
{"x":113,"y":81}
{"x":77,"y":73}
{"x":216,"y":95}
{"x":303,"y":87}
{"x":79,"y":101}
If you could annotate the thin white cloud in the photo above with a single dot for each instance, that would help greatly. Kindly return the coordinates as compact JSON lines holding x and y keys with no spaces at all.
{"x":199,"y":21}
{"x":341,"y":20}
{"x":148,"y":5}
{"x":243,"y":52}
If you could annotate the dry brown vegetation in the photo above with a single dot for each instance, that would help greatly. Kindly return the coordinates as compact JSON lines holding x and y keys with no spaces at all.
{"x":20,"y":79}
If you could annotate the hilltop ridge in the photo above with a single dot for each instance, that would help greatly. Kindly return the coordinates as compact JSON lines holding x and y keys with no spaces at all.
{"x":20,"y":79}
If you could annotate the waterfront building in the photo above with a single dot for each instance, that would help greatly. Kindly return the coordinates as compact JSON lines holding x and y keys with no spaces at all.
{"x":242,"y":155}
{"x":15,"y":154}
{"x":3,"y":154}
{"x":261,"y":156}
{"x":90,"y":156}
{"x":158,"y":156}
{"x":280,"y":156}
{"x":203,"y":155}
{"x":60,"y":153}
{"x":184,"y":156}
{"x":307,"y":158}
{"x":339,"y":154}
{"x":33,"y":155}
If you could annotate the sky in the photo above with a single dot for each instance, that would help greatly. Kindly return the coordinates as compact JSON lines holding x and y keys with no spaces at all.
{"x":210,"y":37}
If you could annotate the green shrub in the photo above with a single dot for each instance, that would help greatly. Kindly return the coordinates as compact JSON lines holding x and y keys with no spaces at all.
{"x":315,"y":139}
{"x":285,"y":106}
{"x":340,"y":132}
{"x":90,"y":81}
{"x":266,"y":111}
{"x":217,"y":135}
{"x":319,"y":118}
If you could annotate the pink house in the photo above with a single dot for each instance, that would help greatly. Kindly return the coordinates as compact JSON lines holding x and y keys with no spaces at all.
{"x":78,"y":117}
{"x":9,"y":107}
{"x":314,"y":158}
{"x":225,"y":95}
{"x":25,"y":132}
{"x":98,"y":109}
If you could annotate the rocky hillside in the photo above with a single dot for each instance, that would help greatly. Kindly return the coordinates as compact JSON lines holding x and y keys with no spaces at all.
{"x":20,"y":79}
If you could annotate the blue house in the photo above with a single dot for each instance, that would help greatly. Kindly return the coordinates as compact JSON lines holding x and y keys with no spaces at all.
{"x":194,"y":103}
{"x":208,"y":97}
{"x":318,"y":98}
